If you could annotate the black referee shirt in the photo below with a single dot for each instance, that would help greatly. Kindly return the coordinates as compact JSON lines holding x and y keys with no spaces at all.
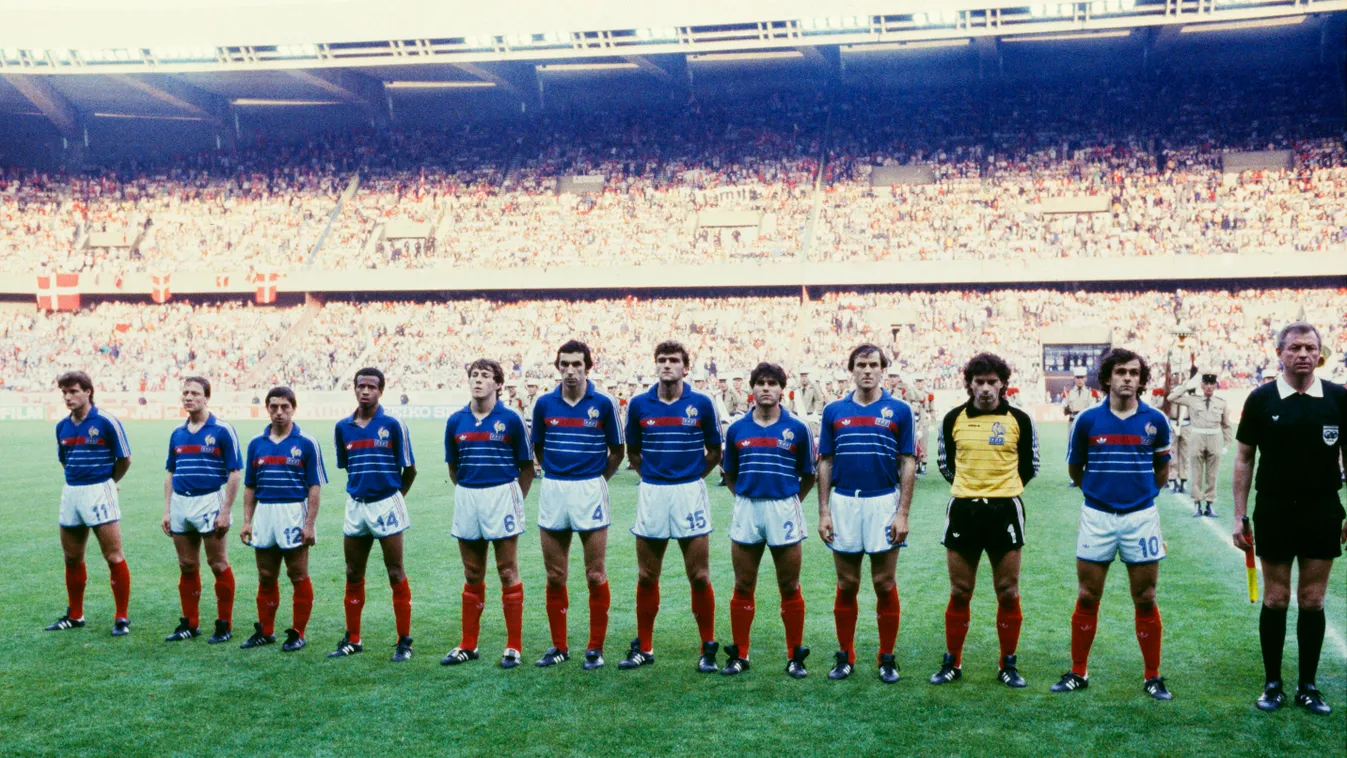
{"x":1298,"y":437}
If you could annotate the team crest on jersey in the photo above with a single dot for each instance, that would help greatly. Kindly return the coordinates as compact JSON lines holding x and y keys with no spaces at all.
{"x":499,"y":427}
{"x":383,"y":433}
{"x":787,"y":435}
{"x":1151,"y":430}
{"x":295,"y":452}
{"x":93,"y":433}
{"x":1330,"y":435}
{"x":210,"y":440}
{"x":998,"y":436}
{"x":593,"y":412}
{"x":692,"y":412}
{"x":886,"y":413}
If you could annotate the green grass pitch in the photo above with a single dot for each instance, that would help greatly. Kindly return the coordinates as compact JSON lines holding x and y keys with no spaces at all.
{"x":83,"y":692}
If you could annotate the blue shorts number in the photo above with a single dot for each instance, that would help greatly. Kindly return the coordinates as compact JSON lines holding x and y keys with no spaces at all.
{"x":1155,"y":546}
{"x":293,"y":535}
{"x":598,"y":513}
{"x":789,"y":526}
{"x":509,"y":522}
{"x":392,"y":521}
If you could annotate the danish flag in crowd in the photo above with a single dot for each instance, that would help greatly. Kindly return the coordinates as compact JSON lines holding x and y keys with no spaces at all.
{"x":159,"y":289}
{"x":266,"y":286}
{"x":58,"y":292}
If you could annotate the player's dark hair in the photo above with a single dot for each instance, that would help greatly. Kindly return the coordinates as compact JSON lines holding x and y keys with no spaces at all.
{"x":76,"y":379}
{"x":574,"y":346}
{"x":670,"y":347}
{"x":865,"y":348}
{"x":1117,"y":356}
{"x":983,"y":364}
{"x":766,"y":370}
{"x":284,"y":393}
{"x":1297,"y":328}
{"x":486,"y":364}
{"x":201,"y":380}
{"x":370,"y":371}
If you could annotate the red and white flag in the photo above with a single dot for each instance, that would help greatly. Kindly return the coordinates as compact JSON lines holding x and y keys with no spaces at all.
{"x":159,"y":288}
{"x":266,"y":286}
{"x":58,"y":292}
{"x":222,"y":280}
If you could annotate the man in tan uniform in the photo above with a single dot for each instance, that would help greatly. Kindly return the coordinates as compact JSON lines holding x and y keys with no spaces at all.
{"x":1075,"y":400}
{"x":923,"y":405}
{"x":1209,"y":436}
{"x":736,"y":398}
{"x":1180,"y":422}
{"x":809,"y":401}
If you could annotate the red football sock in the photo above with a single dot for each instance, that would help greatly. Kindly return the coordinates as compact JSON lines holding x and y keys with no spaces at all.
{"x":704,"y":611}
{"x":1148,"y":636}
{"x":741,"y":620}
{"x":558,"y":603}
{"x":121,"y":588}
{"x":792,"y":616}
{"x":354,"y":605}
{"x":302,"y":604}
{"x":1008,"y":622}
{"x":224,"y":595}
{"x":845,"y":613}
{"x":474,"y":598}
{"x":512,"y":600}
{"x":956,"y":627}
{"x":647,"y":608}
{"x":75,"y":578}
{"x":268,"y":599}
{"x":888,"y":612}
{"x":402,"y":607}
{"x":599,"y":602}
{"x":1084,"y":624}
{"x":189,"y":592}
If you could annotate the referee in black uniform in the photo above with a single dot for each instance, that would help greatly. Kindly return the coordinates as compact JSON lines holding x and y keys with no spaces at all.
{"x":1295,"y":424}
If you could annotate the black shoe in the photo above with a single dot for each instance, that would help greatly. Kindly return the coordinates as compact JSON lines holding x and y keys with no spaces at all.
{"x":510,"y":658}
{"x":1309,"y":698}
{"x":1010,"y":674}
{"x":223,"y":633}
{"x":64,"y":622}
{"x":842,"y":668}
{"x":1197,"y":512}
{"x":458,"y":655}
{"x":1070,"y":682}
{"x":948,"y":671}
{"x":552,"y":657}
{"x":888,"y":669}
{"x":636,"y":657}
{"x":121,"y":627}
{"x":795,"y":666}
{"x":735,"y":664}
{"x":1156,"y":688}
{"x":258,"y":639}
{"x":1211,"y":512}
{"x":184,"y":631}
{"x":293,"y":641}
{"x":403,"y":650}
{"x":344,"y":648}
{"x":706,"y":664}
{"x":1183,"y":485}
{"x":593,"y":659}
{"x":1273,"y":697}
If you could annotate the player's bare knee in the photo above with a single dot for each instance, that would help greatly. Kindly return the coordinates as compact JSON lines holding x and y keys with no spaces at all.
{"x":396,"y":575}
{"x":883,"y":585}
{"x":114,"y":557}
{"x":1310,"y":598}
{"x":961,"y":591}
{"x":848,"y":585}
{"x":218,"y":566}
{"x":595,"y":576}
{"x":296,"y":574}
{"x":354,"y":574}
{"x":1088,"y":598}
{"x":700,"y":579}
{"x":189,"y":566}
{"x":1008,"y":593}
{"x":556,"y":577}
{"x":746,"y":586}
{"x":509,"y":575}
{"x":1144,"y":600}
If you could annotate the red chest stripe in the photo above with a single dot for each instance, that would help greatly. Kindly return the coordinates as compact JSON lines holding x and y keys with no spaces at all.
{"x":277,"y":460}
{"x":72,"y":441}
{"x":480,"y":437}
{"x":765,"y":442}
{"x":854,"y":421}
{"x":671,"y":421}
{"x":196,"y":449}
{"x":1114,"y":439}
{"x":575,"y":423}
{"x":362,"y":444}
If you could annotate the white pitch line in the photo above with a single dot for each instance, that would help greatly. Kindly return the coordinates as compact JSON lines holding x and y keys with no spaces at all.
{"x":1215,"y":525}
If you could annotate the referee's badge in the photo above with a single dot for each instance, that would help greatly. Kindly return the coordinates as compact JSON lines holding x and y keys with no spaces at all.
{"x":1330,"y":435}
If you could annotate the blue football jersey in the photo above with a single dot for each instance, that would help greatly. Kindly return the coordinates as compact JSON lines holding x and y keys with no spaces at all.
{"x":575,"y":438}
{"x":487,"y":452}
{"x":283,"y":472}
{"x":672,"y":438}
{"x":201,"y":461}
{"x":373,"y":455}
{"x":1119,"y":456}
{"x":768,"y":461}
{"x":89,"y":449}
{"x":866,"y":442}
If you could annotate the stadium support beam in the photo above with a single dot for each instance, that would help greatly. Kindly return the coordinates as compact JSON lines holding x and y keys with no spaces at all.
{"x":53,"y":104}
{"x":179,"y":94}
{"x":650,"y":67}
{"x":351,"y":87}
{"x":487,"y":76}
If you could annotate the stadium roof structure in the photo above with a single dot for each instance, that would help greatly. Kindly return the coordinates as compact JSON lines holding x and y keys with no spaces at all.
{"x":206,"y":60}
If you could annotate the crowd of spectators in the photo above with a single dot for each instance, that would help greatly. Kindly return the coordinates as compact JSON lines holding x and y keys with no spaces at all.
{"x":424,"y":344}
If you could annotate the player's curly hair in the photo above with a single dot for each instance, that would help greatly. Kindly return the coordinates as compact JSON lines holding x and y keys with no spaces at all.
{"x":1119,"y":355}
{"x":769,"y":371}
{"x":76,"y":379}
{"x":574,"y":346}
{"x":986,"y":363}
{"x":366,"y":371}
{"x":672,"y":347}
{"x":865,"y":348}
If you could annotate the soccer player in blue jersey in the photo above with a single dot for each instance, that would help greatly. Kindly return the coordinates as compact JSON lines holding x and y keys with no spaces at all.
{"x":1119,"y":457}
{"x":376,"y":451}
{"x":204,"y":469}
{"x":491,"y":466}
{"x":769,"y":465}
{"x":93,"y":450}
{"x":282,"y":484}
{"x":867,"y":465}
{"x":578,"y":441}
{"x":673,"y":439}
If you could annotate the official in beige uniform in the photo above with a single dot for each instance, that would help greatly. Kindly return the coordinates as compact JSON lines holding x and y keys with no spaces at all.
{"x":1076,"y":400}
{"x":1209,"y":436}
{"x":923,"y":405}
{"x":736,"y":398}
{"x":809,"y":401}
{"x":1180,"y":419}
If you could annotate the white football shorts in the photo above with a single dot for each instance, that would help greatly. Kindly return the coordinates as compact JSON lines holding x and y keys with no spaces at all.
{"x":89,"y":504}
{"x":776,"y":522}
{"x":861,"y":524}
{"x":488,"y":513}
{"x":579,"y":505}
{"x":195,"y":513}
{"x":279,"y":525}
{"x":672,"y":511}
{"x":377,"y":518}
{"x":1135,"y":535}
